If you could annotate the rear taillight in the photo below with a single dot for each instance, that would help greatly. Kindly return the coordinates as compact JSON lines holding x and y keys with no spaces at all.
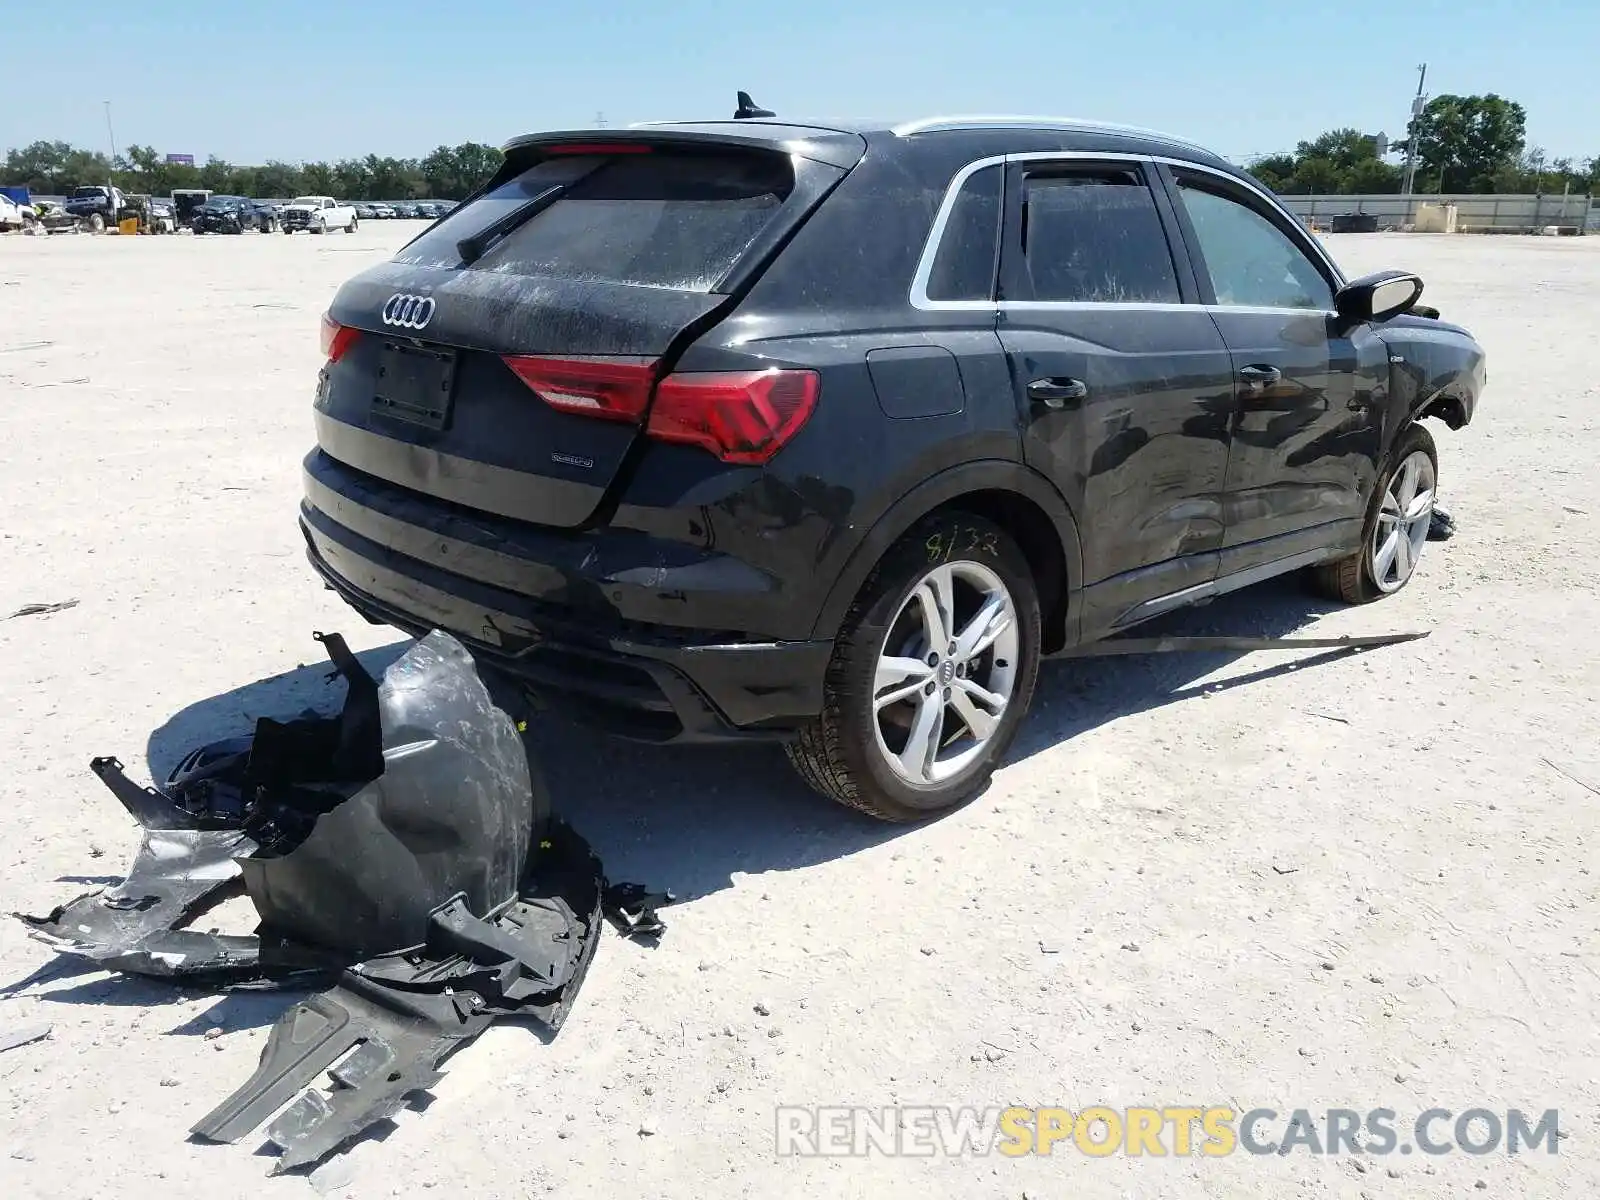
{"x":336,"y":338}
{"x":611,"y":388}
{"x":740,"y":416}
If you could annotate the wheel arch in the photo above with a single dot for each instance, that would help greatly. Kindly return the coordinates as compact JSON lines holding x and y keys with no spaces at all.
{"x":1019,"y":500}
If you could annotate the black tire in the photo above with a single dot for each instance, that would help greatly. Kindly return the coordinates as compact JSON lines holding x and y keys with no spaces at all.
{"x":351,"y":228}
{"x":1350,"y":579}
{"x":97,"y":223}
{"x":838,"y":754}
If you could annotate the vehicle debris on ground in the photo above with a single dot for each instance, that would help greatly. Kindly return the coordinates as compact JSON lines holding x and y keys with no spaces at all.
{"x":401,"y":853}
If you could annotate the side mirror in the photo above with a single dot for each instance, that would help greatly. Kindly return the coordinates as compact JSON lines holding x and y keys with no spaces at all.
{"x":1378,"y":297}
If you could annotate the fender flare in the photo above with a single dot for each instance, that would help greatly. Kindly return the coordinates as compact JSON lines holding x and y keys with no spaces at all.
{"x":989,"y":475}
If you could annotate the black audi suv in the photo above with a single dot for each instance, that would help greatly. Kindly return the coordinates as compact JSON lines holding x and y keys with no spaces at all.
{"x":766,"y":429}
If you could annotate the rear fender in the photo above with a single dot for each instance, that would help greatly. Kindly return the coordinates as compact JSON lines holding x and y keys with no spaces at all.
{"x":994,"y":475}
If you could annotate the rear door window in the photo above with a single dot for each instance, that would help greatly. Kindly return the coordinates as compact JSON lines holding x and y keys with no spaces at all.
{"x":667,"y":220}
{"x":1094,"y":235}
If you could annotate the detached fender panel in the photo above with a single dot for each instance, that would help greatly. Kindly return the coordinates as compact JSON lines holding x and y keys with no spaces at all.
{"x":991,"y":475}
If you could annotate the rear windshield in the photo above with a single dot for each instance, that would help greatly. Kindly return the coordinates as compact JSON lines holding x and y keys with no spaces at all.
{"x":668,"y":220}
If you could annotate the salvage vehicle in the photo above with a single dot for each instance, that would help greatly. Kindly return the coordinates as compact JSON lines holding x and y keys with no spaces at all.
{"x":760,"y":429}
{"x":271,"y":214}
{"x":96,"y":207}
{"x":230,"y":214}
{"x":53,"y":218}
{"x":163,"y":216}
{"x":318,"y":214}
{"x":15,"y":216}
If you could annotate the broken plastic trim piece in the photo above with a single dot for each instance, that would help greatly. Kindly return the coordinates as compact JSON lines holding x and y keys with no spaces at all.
{"x":407,"y":822}
{"x":384,"y":1032}
{"x":135,"y":925}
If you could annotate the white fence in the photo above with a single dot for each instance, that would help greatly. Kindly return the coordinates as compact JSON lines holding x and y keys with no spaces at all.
{"x":1474,"y":214}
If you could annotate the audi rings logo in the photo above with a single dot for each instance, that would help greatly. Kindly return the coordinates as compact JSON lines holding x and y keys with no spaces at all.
{"x":408,"y":312}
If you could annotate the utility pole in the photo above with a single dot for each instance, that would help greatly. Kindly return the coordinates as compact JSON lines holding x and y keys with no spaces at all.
{"x":599,"y":120}
{"x":111,"y":183}
{"x":1417,"y":104}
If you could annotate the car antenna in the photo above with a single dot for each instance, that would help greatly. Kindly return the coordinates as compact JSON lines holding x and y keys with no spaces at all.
{"x":747,"y":109}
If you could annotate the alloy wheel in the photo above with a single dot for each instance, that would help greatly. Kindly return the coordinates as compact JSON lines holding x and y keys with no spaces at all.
{"x":945,"y":673}
{"x":1403,"y":522}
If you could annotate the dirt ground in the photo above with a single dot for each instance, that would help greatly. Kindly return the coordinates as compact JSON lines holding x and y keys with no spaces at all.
{"x":1262,"y":880}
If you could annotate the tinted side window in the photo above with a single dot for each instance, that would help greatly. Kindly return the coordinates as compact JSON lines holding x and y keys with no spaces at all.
{"x":1096,"y":236}
{"x":1251,"y":261}
{"x":963,"y":266}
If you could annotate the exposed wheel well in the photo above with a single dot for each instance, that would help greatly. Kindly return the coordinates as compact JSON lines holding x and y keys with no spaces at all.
{"x":1448,"y":409}
{"x":1036,"y":534}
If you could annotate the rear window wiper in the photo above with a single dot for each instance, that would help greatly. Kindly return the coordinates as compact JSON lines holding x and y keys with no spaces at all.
{"x":478,"y":244}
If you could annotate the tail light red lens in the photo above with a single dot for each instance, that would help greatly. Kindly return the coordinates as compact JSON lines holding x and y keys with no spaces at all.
{"x":611,"y":388}
{"x":336,"y":338}
{"x":740,"y":416}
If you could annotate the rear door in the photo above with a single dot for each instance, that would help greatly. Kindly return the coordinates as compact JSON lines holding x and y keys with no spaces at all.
{"x":508,"y":353}
{"x":1306,"y":433}
{"x":1122,"y":381}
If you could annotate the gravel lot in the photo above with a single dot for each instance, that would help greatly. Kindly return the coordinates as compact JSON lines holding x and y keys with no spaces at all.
{"x":1249,"y":881}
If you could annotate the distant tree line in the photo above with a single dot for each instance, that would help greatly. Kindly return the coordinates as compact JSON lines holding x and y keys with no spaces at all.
{"x":1464,"y":144}
{"x":449,"y":173}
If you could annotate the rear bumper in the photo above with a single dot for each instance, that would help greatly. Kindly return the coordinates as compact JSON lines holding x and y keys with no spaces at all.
{"x":658,"y":686}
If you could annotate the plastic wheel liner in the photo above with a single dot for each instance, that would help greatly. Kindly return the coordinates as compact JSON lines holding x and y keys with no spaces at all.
{"x":402,"y":850}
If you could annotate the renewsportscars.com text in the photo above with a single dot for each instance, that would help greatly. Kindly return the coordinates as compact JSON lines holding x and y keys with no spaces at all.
{"x":1158,"y":1131}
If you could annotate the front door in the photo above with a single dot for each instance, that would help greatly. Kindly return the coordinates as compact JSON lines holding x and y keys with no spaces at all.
{"x":1125,"y":390}
{"x":1307,"y":427}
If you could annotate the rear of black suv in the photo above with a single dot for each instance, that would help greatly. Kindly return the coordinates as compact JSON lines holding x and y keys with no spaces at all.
{"x":525,"y":436}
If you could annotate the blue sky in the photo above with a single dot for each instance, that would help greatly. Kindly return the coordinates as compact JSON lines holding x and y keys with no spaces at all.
{"x":315,"y":79}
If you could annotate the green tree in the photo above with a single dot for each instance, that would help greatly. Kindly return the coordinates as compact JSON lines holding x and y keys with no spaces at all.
{"x":352,"y":179}
{"x":1463,"y":141}
{"x":278,"y":181}
{"x":1343,"y":148}
{"x":316,"y":179}
{"x":1276,"y":171}
{"x":217,"y":175}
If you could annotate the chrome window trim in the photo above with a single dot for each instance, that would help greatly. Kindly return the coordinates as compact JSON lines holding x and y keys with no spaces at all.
{"x":930,"y":249}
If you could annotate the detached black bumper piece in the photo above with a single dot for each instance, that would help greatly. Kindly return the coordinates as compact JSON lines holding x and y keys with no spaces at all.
{"x":401,"y":851}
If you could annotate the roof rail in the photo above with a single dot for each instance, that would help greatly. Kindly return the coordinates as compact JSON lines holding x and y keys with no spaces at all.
{"x":1009,"y":121}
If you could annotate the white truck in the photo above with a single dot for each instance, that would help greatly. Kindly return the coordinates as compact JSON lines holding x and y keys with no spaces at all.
{"x":318,"y":214}
{"x":14,"y":215}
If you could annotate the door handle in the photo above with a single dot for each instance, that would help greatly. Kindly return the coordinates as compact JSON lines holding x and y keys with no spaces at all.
{"x":1260,"y":375}
{"x":1055,"y":393}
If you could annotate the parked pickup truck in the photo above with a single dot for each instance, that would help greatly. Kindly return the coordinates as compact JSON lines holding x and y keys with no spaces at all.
{"x":96,"y":207}
{"x":14,"y":215}
{"x":318,"y":214}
